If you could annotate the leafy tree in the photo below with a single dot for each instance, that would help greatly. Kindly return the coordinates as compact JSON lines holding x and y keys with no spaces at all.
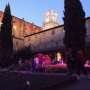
{"x":25,"y":52}
{"x":74,"y":26}
{"x":6,"y":42}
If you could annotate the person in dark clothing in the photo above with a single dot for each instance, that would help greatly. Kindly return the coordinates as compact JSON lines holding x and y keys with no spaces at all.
{"x":69,"y":60}
{"x":32,"y":64}
{"x":80,"y":64}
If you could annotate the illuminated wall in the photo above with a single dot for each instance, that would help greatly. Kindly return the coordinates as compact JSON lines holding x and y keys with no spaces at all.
{"x":17,"y":43}
{"x":47,"y":39}
{"x":29,"y":34}
{"x":20,"y":27}
{"x":51,"y":19}
{"x":1,"y":16}
{"x":52,"y":38}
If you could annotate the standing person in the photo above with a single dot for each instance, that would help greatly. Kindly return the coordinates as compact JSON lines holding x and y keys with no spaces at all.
{"x":42,"y":61}
{"x":32,"y":64}
{"x":80,"y":64}
{"x":36,"y":61}
{"x":20,"y":61}
{"x":69,"y":59}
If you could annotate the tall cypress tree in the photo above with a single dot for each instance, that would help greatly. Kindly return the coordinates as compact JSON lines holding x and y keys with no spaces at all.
{"x":6,"y":34}
{"x":74,"y":26}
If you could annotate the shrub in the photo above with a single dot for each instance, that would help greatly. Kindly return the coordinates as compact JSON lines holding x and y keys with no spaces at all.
{"x":55,"y":69}
{"x":25,"y":66}
{"x":11,"y":67}
{"x":41,"y":69}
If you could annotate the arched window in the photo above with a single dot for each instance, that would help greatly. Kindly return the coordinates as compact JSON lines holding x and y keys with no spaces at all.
{"x":34,"y":47}
{"x":56,"y":44}
{"x":53,"y":32}
{"x":43,"y":34}
{"x":45,"y":46}
{"x":35,"y":37}
{"x":28,"y":38}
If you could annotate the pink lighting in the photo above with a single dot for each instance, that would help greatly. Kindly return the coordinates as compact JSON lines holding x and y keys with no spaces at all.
{"x":13,"y":21}
{"x":57,"y":65}
{"x":61,"y":64}
{"x":37,"y":30}
{"x":86,"y":65}
{"x":28,"y":27}
{"x":64,"y":65}
{"x":46,"y":57}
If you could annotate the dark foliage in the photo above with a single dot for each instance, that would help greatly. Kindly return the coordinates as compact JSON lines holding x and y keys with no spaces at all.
{"x":6,"y":42}
{"x":25,"y":52}
{"x":74,"y":26}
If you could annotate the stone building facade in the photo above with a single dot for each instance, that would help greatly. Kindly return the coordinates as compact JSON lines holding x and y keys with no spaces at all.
{"x":41,"y":39}
{"x":51,"y":38}
{"x":20,"y":29}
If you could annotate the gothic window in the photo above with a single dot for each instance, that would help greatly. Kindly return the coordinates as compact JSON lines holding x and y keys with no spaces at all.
{"x":29,"y":39}
{"x":43,"y":34}
{"x":34,"y":47}
{"x":35,"y":37}
{"x":53,"y":32}
{"x":56,"y":44}
{"x":45,"y":45}
{"x":16,"y":45}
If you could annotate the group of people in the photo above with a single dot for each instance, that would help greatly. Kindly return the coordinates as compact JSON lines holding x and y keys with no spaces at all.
{"x":36,"y":63}
{"x":79,"y":63}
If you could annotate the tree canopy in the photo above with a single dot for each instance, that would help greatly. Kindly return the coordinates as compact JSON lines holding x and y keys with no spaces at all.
{"x":6,"y":40}
{"x":74,"y":25}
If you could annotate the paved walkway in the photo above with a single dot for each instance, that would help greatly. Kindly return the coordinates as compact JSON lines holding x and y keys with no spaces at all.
{"x":82,"y":84}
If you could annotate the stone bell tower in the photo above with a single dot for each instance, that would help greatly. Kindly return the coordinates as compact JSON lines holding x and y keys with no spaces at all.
{"x":51,"y":19}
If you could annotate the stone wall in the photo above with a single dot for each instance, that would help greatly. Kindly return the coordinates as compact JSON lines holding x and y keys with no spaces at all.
{"x":51,"y":38}
{"x":17,"y":43}
{"x":47,"y":39}
{"x":20,"y":27}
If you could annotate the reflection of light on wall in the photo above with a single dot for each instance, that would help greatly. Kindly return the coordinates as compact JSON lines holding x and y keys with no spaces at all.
{"x":28,"y":29}
{"x":17,"y":46}
{"x":33,"y":26}
{"x":37,"y":30}
{"x":1,"y":23}
{"x":14,"y":26}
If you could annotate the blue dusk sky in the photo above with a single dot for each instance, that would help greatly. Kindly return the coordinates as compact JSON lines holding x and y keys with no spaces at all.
{"x":33,"y":10}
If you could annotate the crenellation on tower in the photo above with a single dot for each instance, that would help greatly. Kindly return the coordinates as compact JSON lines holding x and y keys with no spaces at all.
{"x":51,"y":19}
